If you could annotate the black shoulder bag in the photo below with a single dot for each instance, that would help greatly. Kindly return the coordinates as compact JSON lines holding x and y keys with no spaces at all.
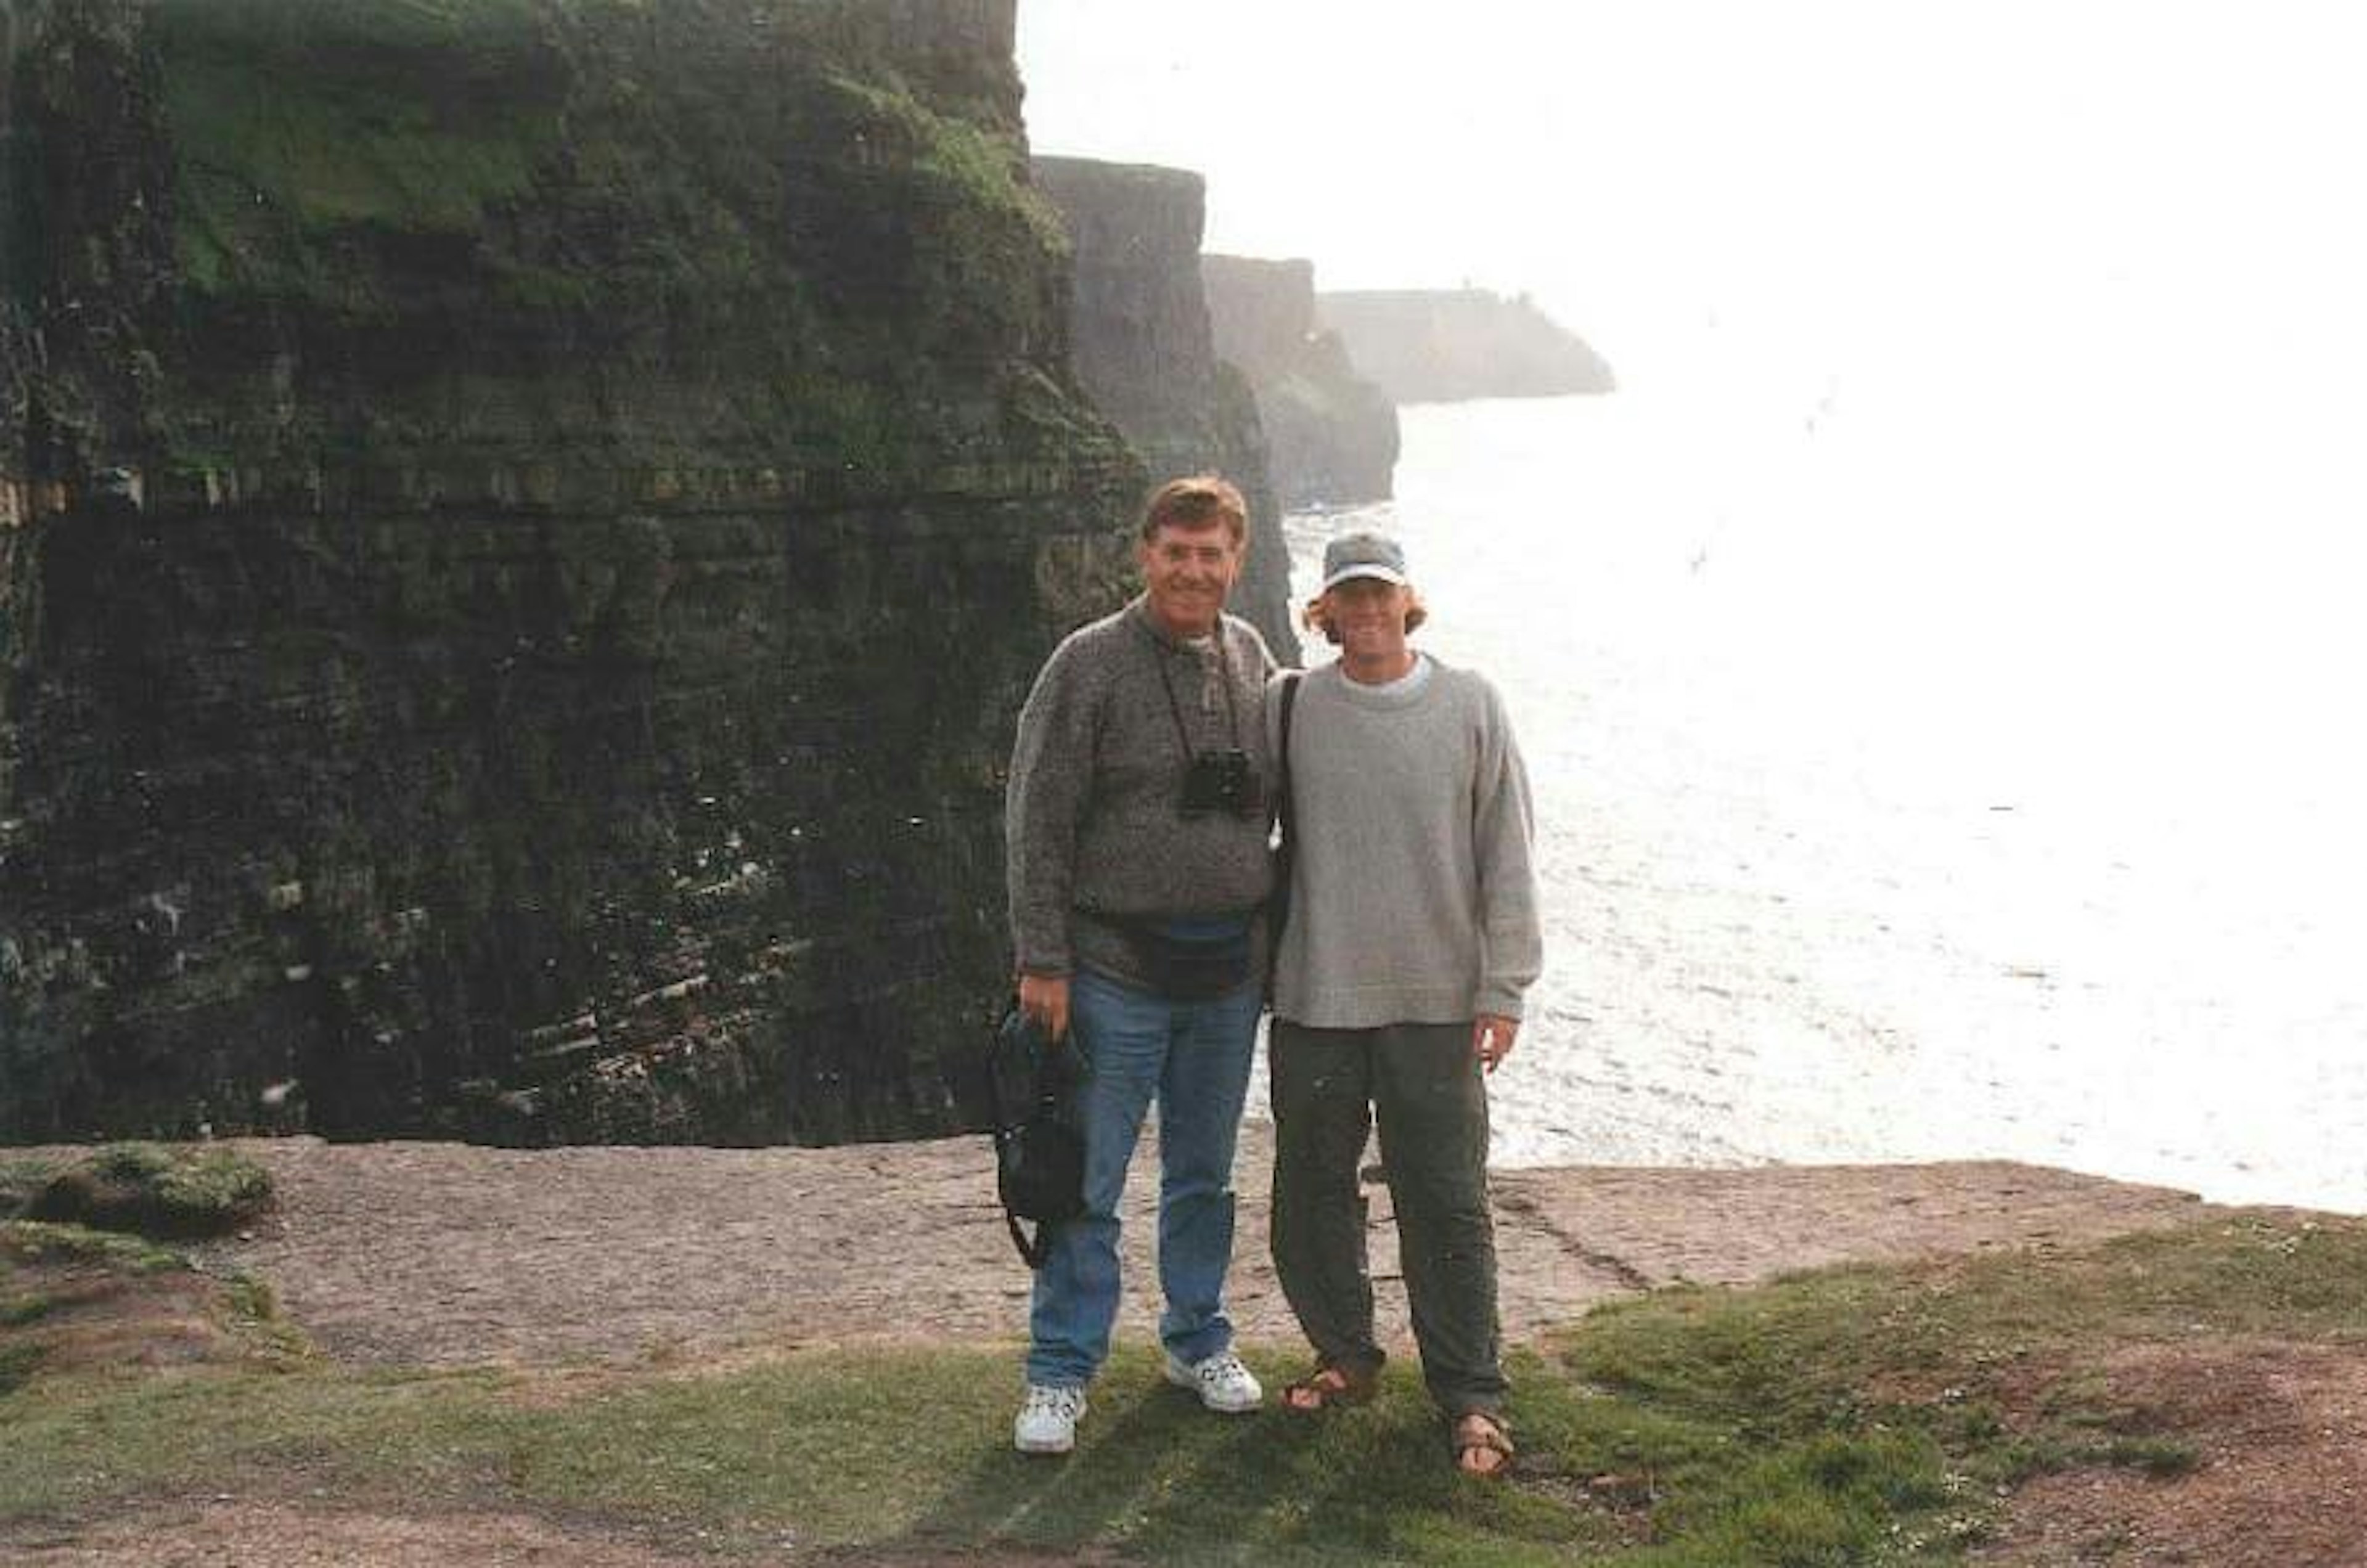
{"x":1039,"y":1155}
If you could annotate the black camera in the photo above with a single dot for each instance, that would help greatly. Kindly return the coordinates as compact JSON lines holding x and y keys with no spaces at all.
{"x":1222,"y":781}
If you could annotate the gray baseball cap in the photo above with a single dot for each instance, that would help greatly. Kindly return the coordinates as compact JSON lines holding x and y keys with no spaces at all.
{"x":1362,"y":555}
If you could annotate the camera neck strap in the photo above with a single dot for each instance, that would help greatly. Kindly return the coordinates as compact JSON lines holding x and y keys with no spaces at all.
{"x":1175,"y":706}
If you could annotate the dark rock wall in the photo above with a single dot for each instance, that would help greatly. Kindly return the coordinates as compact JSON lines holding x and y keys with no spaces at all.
{"x":1331,"y":436}
{"x":16,"y":355}
{"x":1426,"y":346}
{"x":527,"y":526}
{"x":1145,"y":352}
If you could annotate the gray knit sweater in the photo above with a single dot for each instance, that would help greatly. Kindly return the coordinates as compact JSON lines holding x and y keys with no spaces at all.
{"x":1412,"y":898}
{"x":1090,"y":824}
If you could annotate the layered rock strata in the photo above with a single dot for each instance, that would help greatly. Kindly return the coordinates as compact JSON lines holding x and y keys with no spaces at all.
{"x":527,"y":525}
{"x":1145,"y":351}
{"x":1331,"y":436}
{"x":1443,"y":345}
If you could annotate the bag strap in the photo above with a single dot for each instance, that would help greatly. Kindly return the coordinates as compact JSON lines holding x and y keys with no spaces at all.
{"x":1031,"y":1253}
{"x":1285,"y":809}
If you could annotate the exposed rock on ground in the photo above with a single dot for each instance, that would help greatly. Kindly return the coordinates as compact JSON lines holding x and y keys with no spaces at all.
{"x":442,"y":1254}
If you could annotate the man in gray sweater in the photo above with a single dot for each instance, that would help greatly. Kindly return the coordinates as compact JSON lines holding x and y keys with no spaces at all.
{"x":1136,"y":826}
{"x":1413,"y":935}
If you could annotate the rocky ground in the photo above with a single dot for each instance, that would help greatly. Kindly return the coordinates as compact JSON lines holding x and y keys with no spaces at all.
{"x":445,"y":1255}
{"x":442,"y":1254}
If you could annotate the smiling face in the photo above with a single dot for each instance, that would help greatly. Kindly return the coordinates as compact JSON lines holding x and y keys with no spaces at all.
{"x":1187,"y":572}
{"x":1368,"y":619}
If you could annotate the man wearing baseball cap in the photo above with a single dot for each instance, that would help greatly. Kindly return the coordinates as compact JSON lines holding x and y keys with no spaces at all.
{"x":1413,"y":935}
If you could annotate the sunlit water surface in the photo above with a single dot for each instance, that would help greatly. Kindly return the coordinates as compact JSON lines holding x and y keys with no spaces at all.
{"x":1890,"y":811}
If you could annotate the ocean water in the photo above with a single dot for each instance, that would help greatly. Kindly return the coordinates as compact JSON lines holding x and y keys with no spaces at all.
{"x":1891,"y":811}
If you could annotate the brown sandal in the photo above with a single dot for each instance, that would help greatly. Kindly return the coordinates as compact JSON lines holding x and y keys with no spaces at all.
{"x":1328,"y":1386}
{"x":1476,"y":1433}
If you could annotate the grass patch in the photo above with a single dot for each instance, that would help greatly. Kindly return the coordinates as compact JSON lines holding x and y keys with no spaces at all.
{"x":832,"y":1445}
{"x":32,"y":1242}
{"x":155,"y":1190}
{"x":16,"y":1310}
{"x":21,"y":1176}
{"x":2053,"y":1450}
{"x":965,"y":162}
{"x":78,"y":1440}
{"x":296,"y":122}
{"x":1822,"y":1347}
{"x":17,"y":1364}
{"x":1857,"y":1415}
{"x":250,"y":1312}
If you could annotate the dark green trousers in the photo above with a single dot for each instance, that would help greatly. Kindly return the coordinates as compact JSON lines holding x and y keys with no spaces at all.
{"x":1424,"y":1085}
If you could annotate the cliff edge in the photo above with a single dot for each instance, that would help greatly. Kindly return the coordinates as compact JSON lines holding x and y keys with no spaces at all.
{"x":566,"y":1254}
{"x":522,"y":529}
{"x":1146,"y":353}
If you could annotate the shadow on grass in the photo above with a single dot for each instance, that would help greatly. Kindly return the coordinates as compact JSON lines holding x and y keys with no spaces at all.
{"x":1855,"y":1416}
{"x":1156,"y":1476}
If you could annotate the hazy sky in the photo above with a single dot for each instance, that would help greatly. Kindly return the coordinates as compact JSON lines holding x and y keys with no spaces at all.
{"x":2061,"y":301}
{"x":1864,"y":184}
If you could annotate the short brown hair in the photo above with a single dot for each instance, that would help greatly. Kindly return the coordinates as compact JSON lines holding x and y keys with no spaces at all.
{"x":1318,"y":614}
{"x":1196,"y":502}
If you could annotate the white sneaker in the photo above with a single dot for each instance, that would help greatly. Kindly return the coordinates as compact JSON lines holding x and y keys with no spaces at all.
{"x":1223,"y":1384}
{"x":1048,"y":1420}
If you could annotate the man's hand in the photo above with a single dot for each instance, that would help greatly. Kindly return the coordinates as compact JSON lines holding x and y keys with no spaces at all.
{"x":1045,"y":999}
{"x":1491,"y":1039}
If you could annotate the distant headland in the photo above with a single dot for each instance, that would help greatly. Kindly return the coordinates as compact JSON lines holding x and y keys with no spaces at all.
{"x":1441,"y":345}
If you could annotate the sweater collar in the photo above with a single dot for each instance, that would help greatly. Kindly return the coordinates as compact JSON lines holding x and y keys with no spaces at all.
{"x":1403,"y":692}
{"x":1140,"y":609}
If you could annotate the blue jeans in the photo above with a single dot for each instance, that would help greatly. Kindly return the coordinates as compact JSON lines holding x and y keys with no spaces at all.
{"x":1195,"y":1058}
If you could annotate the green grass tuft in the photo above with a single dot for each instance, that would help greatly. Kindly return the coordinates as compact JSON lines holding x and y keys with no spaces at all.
{"x":21,"y":1176}
{"x":30,"y":1306}
{"x":156,"y":1190}
{"x":17,"y":1364}
{"x":40,"y":1241}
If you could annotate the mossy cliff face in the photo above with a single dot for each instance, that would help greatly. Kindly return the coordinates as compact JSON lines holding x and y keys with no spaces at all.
{"x":1145,"y":352}
{"x":1331,"y":436}
{"x":527,"y":524}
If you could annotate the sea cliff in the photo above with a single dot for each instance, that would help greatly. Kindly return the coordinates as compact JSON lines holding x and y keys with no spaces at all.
{"x":1146,"y":354}
{"x":1331,"y":436}
{"x":523,"y":526}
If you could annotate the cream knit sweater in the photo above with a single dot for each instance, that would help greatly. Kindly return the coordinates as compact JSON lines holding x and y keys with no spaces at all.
{"x":1413,"y":899}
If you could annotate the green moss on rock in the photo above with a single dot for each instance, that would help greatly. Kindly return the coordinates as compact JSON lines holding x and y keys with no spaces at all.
{"x":156,"y":1191}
